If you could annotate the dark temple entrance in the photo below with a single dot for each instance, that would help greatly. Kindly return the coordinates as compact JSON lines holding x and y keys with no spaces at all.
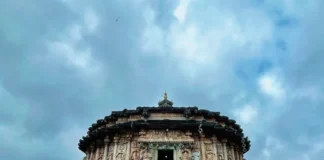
{"x":165,"y":155}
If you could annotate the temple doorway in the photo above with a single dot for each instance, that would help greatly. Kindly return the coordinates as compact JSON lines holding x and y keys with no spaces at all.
{"x":165,"y":154}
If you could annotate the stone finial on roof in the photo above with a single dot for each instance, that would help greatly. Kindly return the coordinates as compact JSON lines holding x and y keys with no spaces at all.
{"x":165,"y":102}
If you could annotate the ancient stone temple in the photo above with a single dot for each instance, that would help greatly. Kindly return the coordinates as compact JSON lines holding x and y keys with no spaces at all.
{"x":165,"y":133}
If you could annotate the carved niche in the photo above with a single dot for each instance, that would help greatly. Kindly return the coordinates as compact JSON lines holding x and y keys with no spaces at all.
{"x":185,"y":154}
{"x":196,"y":146}
{"x":111,"y":151}
{"x":146,"y":154}
{"x":209,"y":147}
{"x":121,"y":156}
{"x":220,"y":155}
{"x":236,"y":153}
{"x":165,"y":136}
{"x":229,"y":153}
{"x":135,"y":155}
{"x":101,"y":153}
{"x":210,"y":155}
{"x":195,"y":156}
{"x":121,"y":150}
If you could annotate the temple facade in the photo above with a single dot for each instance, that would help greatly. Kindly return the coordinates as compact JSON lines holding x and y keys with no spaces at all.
{"x":165,"y":132}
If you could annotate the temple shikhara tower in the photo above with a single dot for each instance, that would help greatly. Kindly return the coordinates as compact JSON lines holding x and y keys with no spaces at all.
{"x":165,"y":132}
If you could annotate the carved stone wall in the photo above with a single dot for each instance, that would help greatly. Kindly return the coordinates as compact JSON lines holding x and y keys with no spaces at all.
{"x":110,"y":154}
{"x":162,"y":116}
{"x":145,"y":146}
{"x":209,"y":151}
{"x":169,"y":136}
{"x":220,"y":153}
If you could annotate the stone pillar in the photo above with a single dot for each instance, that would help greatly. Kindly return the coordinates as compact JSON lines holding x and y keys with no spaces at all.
{"x":224,"y":142}
{"x":128,"y":154}
{"x":97,"y":152}
{"x":214,"y":139}
{"x":91,"y":152}
{"x":116,"y":139}
{"x":231,"y":151}
{"x":236,"y":154}
{"x":87,"y":154}
{"x":106,"y":142}
{"x":177,"y":152}
{"x":202,"y":147}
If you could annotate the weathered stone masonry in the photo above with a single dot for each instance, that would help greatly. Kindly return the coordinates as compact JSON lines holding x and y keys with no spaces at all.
{"x":188,"y":132}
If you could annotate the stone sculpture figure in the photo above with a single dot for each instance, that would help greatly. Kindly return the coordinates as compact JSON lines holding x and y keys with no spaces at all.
{"x":219,"y":149}
{"x":111,"y":151}
{"x":229,"y":154}
{"x":209,"y":147}
{"x":135,"y":156}
{"x":209,"y":156}
{"x":145,"y":155}
{"x":121,"y":156}
{"x":185,"y":155}
{"x":220,"y":157}
{"x":195,"y":156}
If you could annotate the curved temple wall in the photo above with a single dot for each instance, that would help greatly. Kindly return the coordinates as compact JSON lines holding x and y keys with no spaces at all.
{"x":189,"y":133}
{"x":145,"y":145}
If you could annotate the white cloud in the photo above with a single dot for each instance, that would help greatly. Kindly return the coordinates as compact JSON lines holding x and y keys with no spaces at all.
{"x":75,"y":33}
{"x":239,"y":97}
{"x":274,"y":143}
{"x":67,"y":49}
{"x":313,"y":93}
{"x":152,"y":39}
{"x":81,"y":59}
{"x":315,"y":145}
{"x":70,"y":138}
{"x":273,"y":147}
{"x":266,"y":153}
{"x":208,"y":45}
{"x":271,"y":85}
{"x":181,"y":11}
{"x":91,"y":20}
{"x":246,"y":114}
{"x":67,"y":46}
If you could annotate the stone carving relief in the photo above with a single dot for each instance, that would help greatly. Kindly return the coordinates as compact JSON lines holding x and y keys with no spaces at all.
{"x":135,"y":150}
{"x":165,"y":136}
{"x":121,"y":151}
{"x":229,"y":153}
{"x":209,"y":147}
{"x":220,"y":154}
{"x":220,"y":157}
{"x":185,"y":154}
{"x":210,"y":155}
{"x":111,"y":151}
{"x":122,"y":147}
{"x":195,"y":146}
{"x":146,"y":154}
{"x":135,"y":155}
{"x":195,"y":156}
{"x":121,"y":156}
{"x":135,"y":144}
{"x":235,"y":154}
{"x":101,"y":153}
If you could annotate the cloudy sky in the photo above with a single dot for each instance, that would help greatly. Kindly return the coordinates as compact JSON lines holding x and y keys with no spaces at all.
{"x":66,"y":63}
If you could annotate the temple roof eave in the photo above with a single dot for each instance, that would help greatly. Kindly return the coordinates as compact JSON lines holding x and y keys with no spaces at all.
{"x":187,"y":111}
{"x":207,"y":126}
